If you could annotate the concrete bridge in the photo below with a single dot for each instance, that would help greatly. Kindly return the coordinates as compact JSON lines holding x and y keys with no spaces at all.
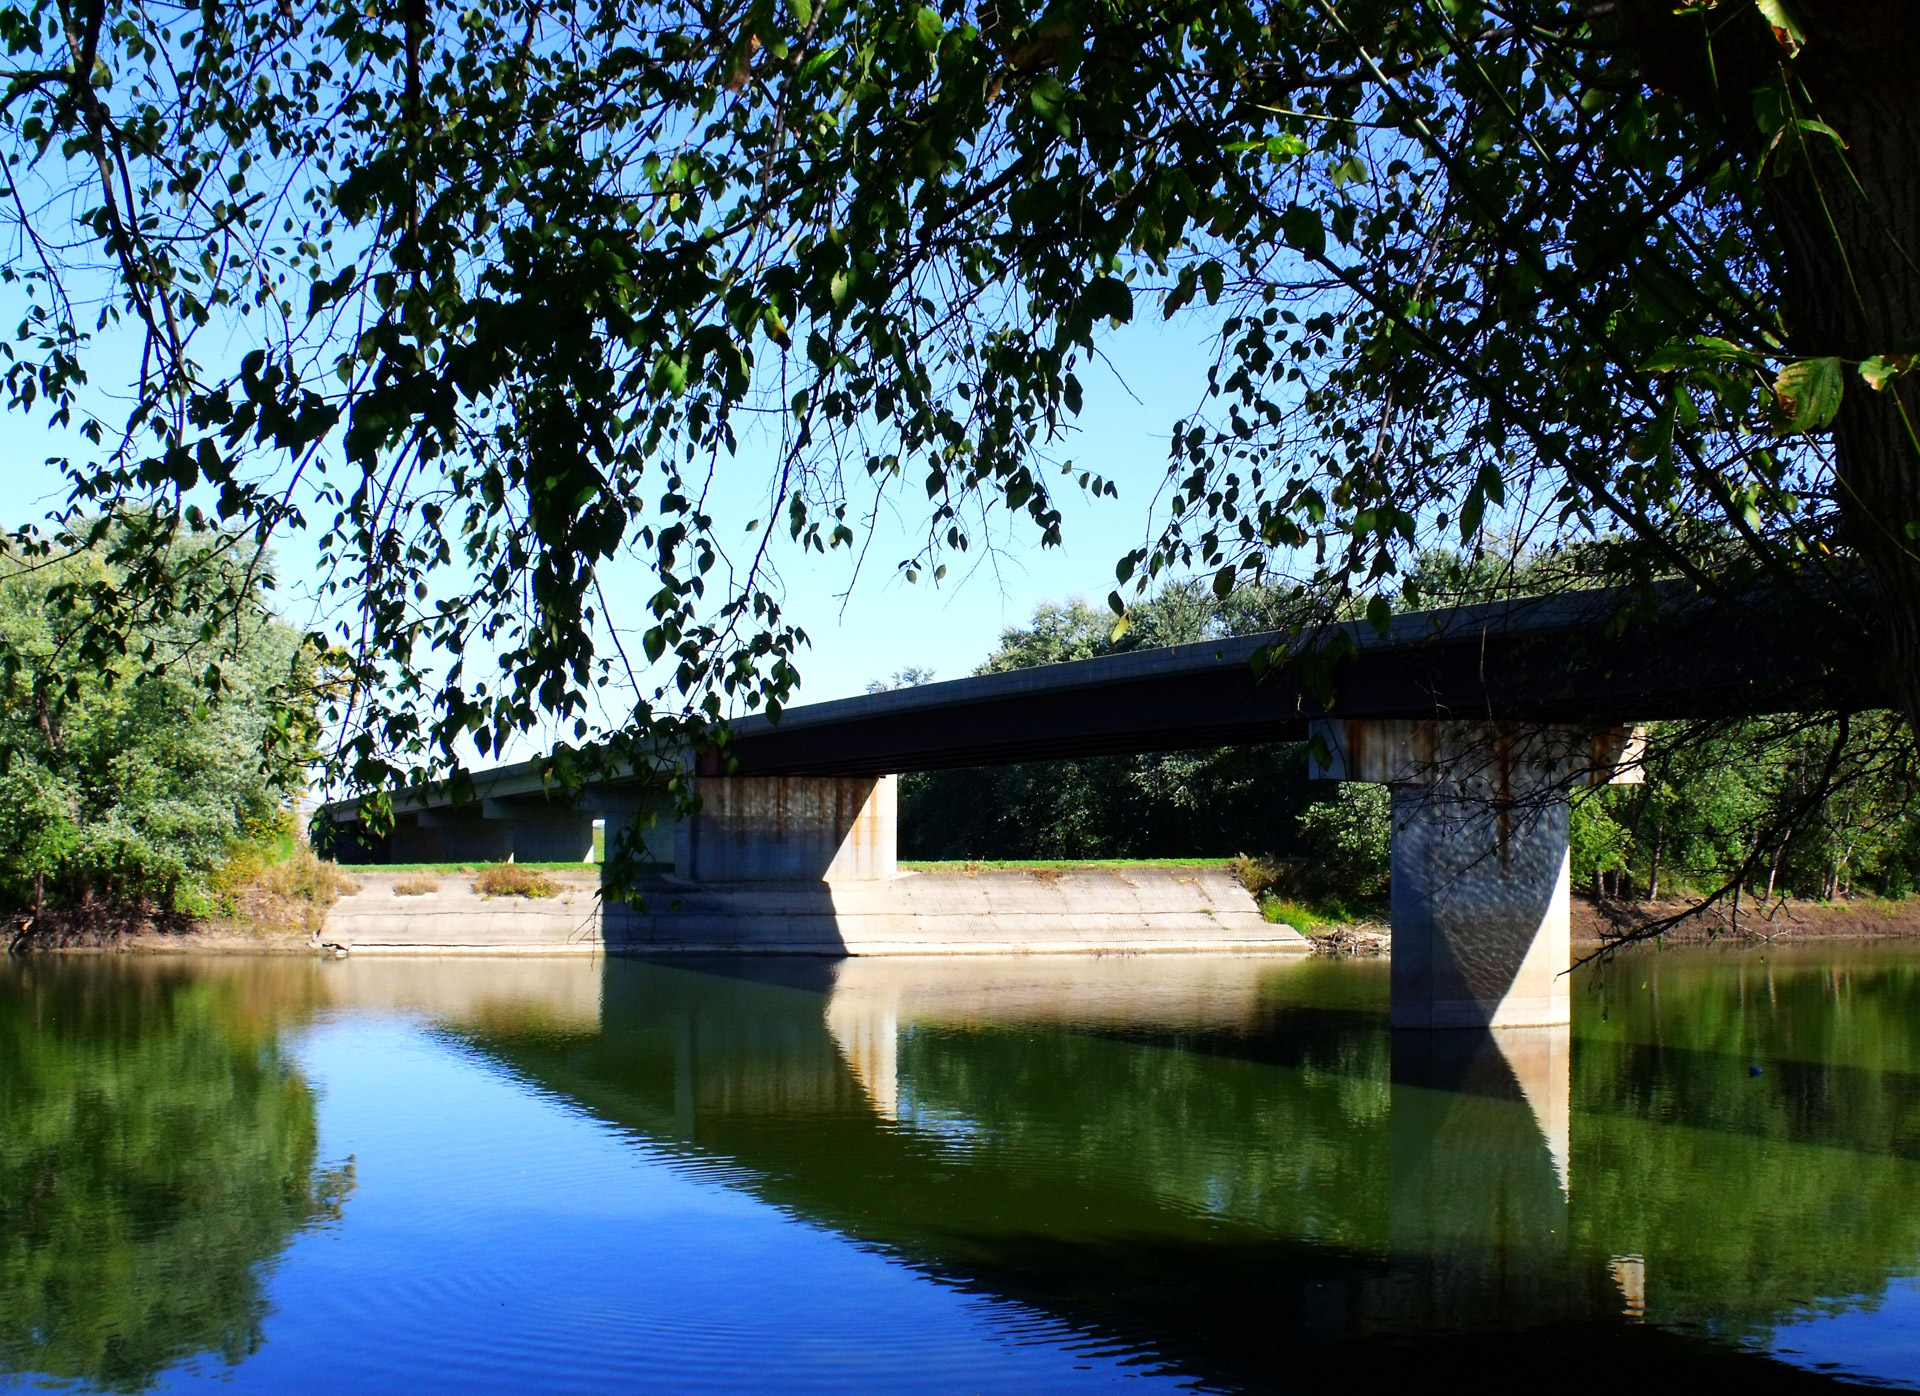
{"x":1481,"y":720}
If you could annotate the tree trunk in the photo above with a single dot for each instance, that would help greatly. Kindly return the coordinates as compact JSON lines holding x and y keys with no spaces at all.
{"x":1653,"y":873}
{"x":1853,"y":285}
{"x":1849,"y":222}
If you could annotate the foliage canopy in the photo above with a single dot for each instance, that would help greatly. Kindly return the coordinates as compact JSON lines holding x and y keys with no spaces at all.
{"x":493,"y":294}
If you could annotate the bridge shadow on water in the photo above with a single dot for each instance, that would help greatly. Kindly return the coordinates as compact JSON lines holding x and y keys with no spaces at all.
{"x":1232,"y":1168}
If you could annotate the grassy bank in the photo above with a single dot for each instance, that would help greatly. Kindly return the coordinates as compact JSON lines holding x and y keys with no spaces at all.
{"x":450,"y":869}
{"x":1056,"y":864}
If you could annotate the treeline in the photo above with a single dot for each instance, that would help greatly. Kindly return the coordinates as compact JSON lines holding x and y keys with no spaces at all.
{"x":132,"y":777}
{"x":1779,"y":806}
{"x":1252,"y":800}
{"x":1814,"y":807}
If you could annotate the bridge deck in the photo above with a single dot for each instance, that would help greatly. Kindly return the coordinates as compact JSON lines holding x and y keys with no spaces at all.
{"x":1569,"y":658}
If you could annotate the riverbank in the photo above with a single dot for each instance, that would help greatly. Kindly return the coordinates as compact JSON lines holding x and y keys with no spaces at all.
{"x":977,"y":907}
{"x":110,"y":930}
{"x":1168,"y":907}
{"x":1861,"y":918}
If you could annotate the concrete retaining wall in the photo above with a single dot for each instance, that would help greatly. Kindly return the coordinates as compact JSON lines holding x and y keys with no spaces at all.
{"x":1089,"y":910}
{"x":455,"y":918}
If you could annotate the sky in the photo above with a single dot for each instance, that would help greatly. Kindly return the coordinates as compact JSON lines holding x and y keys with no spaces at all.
{"x":1154,"y":373}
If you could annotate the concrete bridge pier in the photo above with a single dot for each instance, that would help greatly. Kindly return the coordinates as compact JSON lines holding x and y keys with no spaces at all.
{"x":791,"y":829}
{"x":1480,"y":859}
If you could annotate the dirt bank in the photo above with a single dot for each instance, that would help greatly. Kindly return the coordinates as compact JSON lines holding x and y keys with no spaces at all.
{"x":107,"y":930}
{"x":1863,"y":918}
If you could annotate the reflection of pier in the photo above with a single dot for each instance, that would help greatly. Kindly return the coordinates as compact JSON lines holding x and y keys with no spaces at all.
{"x":1478,"y":1128}
{"x":518,"y":996}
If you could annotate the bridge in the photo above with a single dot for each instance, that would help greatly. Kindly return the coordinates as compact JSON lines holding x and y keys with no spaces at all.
{"x":1480,"y":719}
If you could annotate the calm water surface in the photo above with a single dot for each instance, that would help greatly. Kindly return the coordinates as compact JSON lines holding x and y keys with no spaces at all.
{"x":1022,"y":1175}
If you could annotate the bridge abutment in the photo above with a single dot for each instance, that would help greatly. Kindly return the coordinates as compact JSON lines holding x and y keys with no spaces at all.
{"x":1480,"y":859}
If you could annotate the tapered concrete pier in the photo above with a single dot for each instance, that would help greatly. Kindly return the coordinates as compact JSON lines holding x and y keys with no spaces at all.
{"x":791,"y":829}
{"x":1479,"y":858}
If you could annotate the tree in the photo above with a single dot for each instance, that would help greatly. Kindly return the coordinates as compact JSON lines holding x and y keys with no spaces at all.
{"x":129,"y":782}
{"x":512,"y":289}
{"x":1216,"y":803}
{"x":910,"y":677}
{"x":1760,"y":807}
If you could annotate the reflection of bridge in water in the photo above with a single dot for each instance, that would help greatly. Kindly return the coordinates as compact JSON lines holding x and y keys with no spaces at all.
{"x":1230,"y":1165}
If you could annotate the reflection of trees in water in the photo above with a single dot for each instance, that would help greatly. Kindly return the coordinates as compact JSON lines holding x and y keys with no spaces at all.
{"x":156,"y":1147}
{"x":1754,"y":1198}
{"x":1200,"y":1133}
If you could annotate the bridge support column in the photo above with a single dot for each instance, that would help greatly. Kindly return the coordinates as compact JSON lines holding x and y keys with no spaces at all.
{"x":1480,"y":860}
{"x":1480,"y":902}
{"x":790,"y":829}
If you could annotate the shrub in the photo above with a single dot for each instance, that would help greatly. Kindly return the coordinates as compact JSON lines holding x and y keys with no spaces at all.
{"x":512,"y":880}
{"x":254,"y":887}
{"x":1349,"y":840}
{"x":1258,"y":875}
{"x":416,"y":885}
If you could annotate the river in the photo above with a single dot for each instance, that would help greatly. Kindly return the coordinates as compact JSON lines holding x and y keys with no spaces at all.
{"x":1035,"y":1174}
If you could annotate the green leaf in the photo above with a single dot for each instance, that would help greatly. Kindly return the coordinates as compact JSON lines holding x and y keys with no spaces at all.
{"x":1700,"y":353}
{"x":1110,"y":297}
{"x":670,"y":374}
{"x":1786,"y":28}
{"x":926,"y":23}
{"x":1881,"y":370}
{"x":1471,"y":510}
{"x":1771,"y":109}
{"x":1214,"y":279}
{"x":1049,"y":98}
{"x":1380,"y":614}
{"x":1304,"y":232}
{"x":1809,"y":392}
{"x":1820,"y":128}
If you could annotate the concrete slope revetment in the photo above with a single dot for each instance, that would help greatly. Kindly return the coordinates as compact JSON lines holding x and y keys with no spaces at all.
{"x":989,"y":911}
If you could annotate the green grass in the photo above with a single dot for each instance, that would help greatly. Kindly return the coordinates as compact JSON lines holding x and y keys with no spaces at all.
{"x":461,"y":867}
{"x":1054,"y":864}
{"x":1310,"y":920}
